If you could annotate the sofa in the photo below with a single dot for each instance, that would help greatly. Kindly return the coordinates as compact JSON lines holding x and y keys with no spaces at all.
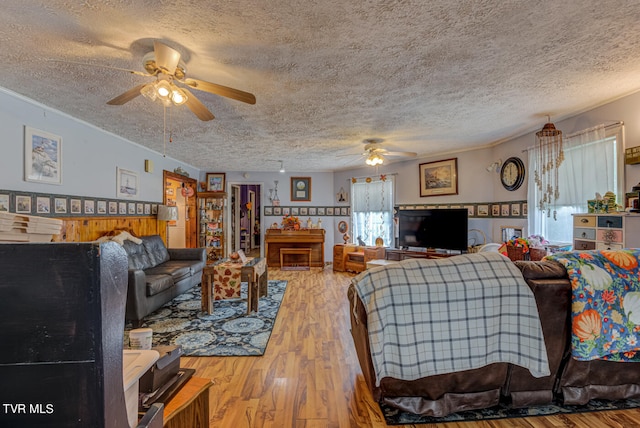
{"x":567,"y":381}
{"x":158,"y":274}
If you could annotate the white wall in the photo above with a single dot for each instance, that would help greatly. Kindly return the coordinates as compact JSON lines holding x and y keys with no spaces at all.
{"x":89,"y":155}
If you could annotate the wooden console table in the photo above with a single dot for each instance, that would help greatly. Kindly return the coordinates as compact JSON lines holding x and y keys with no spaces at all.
{"x":189,"y":408}
{"x":275,"y":239}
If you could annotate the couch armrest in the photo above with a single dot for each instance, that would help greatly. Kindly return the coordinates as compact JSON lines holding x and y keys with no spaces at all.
{"x":199,"y":254}
{"x":544,"y":269}
{"x":136,"y":295}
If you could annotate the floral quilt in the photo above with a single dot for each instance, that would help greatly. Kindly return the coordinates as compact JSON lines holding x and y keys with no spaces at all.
{"x":605,"y":308}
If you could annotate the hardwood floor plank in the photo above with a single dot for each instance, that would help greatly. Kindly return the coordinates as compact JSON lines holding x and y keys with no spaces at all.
{"x":310,"y":377}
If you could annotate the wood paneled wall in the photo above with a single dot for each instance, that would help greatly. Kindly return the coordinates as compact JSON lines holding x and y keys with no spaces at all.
{"x":84,"y":229}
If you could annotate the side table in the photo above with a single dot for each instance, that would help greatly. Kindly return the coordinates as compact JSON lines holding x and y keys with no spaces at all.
{"x":189,"y":408}
{"x":253,"y":272}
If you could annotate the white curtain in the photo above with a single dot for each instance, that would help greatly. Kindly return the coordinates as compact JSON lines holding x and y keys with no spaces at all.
{"x":590,"y":165}
{"x":372,"y":210}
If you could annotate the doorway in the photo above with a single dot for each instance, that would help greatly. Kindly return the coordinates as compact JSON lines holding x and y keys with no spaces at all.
{"x":180,"y":191}
{"x":245,"y":218}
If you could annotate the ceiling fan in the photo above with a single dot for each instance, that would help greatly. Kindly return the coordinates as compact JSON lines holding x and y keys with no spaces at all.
{"x":171,"y":83}
{"x":375,"y":155}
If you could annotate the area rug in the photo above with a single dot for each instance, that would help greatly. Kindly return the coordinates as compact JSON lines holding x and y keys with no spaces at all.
{"x":394,"y":416}
{"x":228,"y":331}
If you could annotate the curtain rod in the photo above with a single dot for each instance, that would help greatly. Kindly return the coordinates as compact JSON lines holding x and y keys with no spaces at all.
{"x":584,"y":131}
{"x":369,"y":176}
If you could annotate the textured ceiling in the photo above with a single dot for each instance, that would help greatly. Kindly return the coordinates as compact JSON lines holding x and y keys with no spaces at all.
{"x":427,"y":77}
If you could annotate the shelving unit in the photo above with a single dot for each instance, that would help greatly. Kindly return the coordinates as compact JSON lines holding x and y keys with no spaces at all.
{"x":211,"y":209}
{"x":606,"y":231}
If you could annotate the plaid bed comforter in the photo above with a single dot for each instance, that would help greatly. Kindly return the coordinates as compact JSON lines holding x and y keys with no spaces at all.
{"x":430,"y":317}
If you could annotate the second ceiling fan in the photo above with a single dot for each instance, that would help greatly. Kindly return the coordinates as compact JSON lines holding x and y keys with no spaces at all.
{"x":171,"y":84}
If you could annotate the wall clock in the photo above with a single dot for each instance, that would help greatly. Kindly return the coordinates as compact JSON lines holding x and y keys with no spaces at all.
{"x":512,"y":173}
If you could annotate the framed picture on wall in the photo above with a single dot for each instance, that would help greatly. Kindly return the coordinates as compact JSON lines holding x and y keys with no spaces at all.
{"x":439,"y":178}
{"x":23,"y":204}
{"x":126,"y":183}
{"x":216,"y":181}
{"x":4,"y":202}
{"x":483,"y":210}
{"x":43,"y":205}
{"x":268,"y":211}
{"x":113,"y":207}
{"x":101,"y":207}
{"x":42,"y":156}
{"x":89,"y":206}
{"x":471,"y":210}
{"x":300,"y":189}
{"x":76,"y":206}
{"x":60,"y":205}
{"x":495,"y":210}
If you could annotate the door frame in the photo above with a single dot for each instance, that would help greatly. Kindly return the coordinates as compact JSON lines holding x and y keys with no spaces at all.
{"x":191,"y":220}
{"x":260,"y":197}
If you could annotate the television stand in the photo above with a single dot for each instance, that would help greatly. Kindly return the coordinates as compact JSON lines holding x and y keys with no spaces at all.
{"x":398,"y":254}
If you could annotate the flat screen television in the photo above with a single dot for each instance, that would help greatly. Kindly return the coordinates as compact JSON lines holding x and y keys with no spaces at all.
{"x":438,"y":229}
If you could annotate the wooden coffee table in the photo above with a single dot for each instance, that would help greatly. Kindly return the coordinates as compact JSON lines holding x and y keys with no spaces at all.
{"x":254,"y":273}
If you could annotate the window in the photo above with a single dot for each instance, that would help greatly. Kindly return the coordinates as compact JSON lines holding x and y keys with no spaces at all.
{"x":593,"y":162}
{"x":372,"y":210}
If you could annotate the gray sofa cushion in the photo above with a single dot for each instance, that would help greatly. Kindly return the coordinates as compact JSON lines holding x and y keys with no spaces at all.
{"x":155,"y":248}
{"x":150,"y":253}
{"x":137,"y":256}
{"x":158,"y":283}
{"x":176,"y":268}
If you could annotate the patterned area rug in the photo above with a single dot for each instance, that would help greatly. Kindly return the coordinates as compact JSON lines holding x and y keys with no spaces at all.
{"x":228,"y":331}
{"x":398,"y":417}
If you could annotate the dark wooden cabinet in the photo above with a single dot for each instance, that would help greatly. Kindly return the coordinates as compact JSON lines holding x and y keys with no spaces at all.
{"x":62,"y":315}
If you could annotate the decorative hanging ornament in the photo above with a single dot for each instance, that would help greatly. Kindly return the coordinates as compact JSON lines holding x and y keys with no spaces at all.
{"x":550,"y":155}
{"x":383,"y":177}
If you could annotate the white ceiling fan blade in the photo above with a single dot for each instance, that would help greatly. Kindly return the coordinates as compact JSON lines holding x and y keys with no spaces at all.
{"x":127,"y":96}
{"x":224,"y":91}
{"x":167,"y":59}
{"x":199,"y":109}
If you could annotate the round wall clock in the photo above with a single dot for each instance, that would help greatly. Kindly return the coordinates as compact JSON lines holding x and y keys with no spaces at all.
{"x":512,"y":173}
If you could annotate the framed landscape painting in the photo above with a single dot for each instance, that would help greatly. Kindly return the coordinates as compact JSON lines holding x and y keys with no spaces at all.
{"x":127,"y":183}
{"x":42,"y":156}
{"x":439,"y":178}
{"x":215,"y":181}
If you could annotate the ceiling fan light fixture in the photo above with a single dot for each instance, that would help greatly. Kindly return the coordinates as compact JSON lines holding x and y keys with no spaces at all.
{"x":149,"y":91}
{"x":374,"y":159}
{"x":178,"y":96}
{"x":164,"y":89}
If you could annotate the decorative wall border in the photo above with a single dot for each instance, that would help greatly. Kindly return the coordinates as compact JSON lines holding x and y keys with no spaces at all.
{"x":503,"y":209}
{"x":316,"y":211}
{"x":58,"y":206}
